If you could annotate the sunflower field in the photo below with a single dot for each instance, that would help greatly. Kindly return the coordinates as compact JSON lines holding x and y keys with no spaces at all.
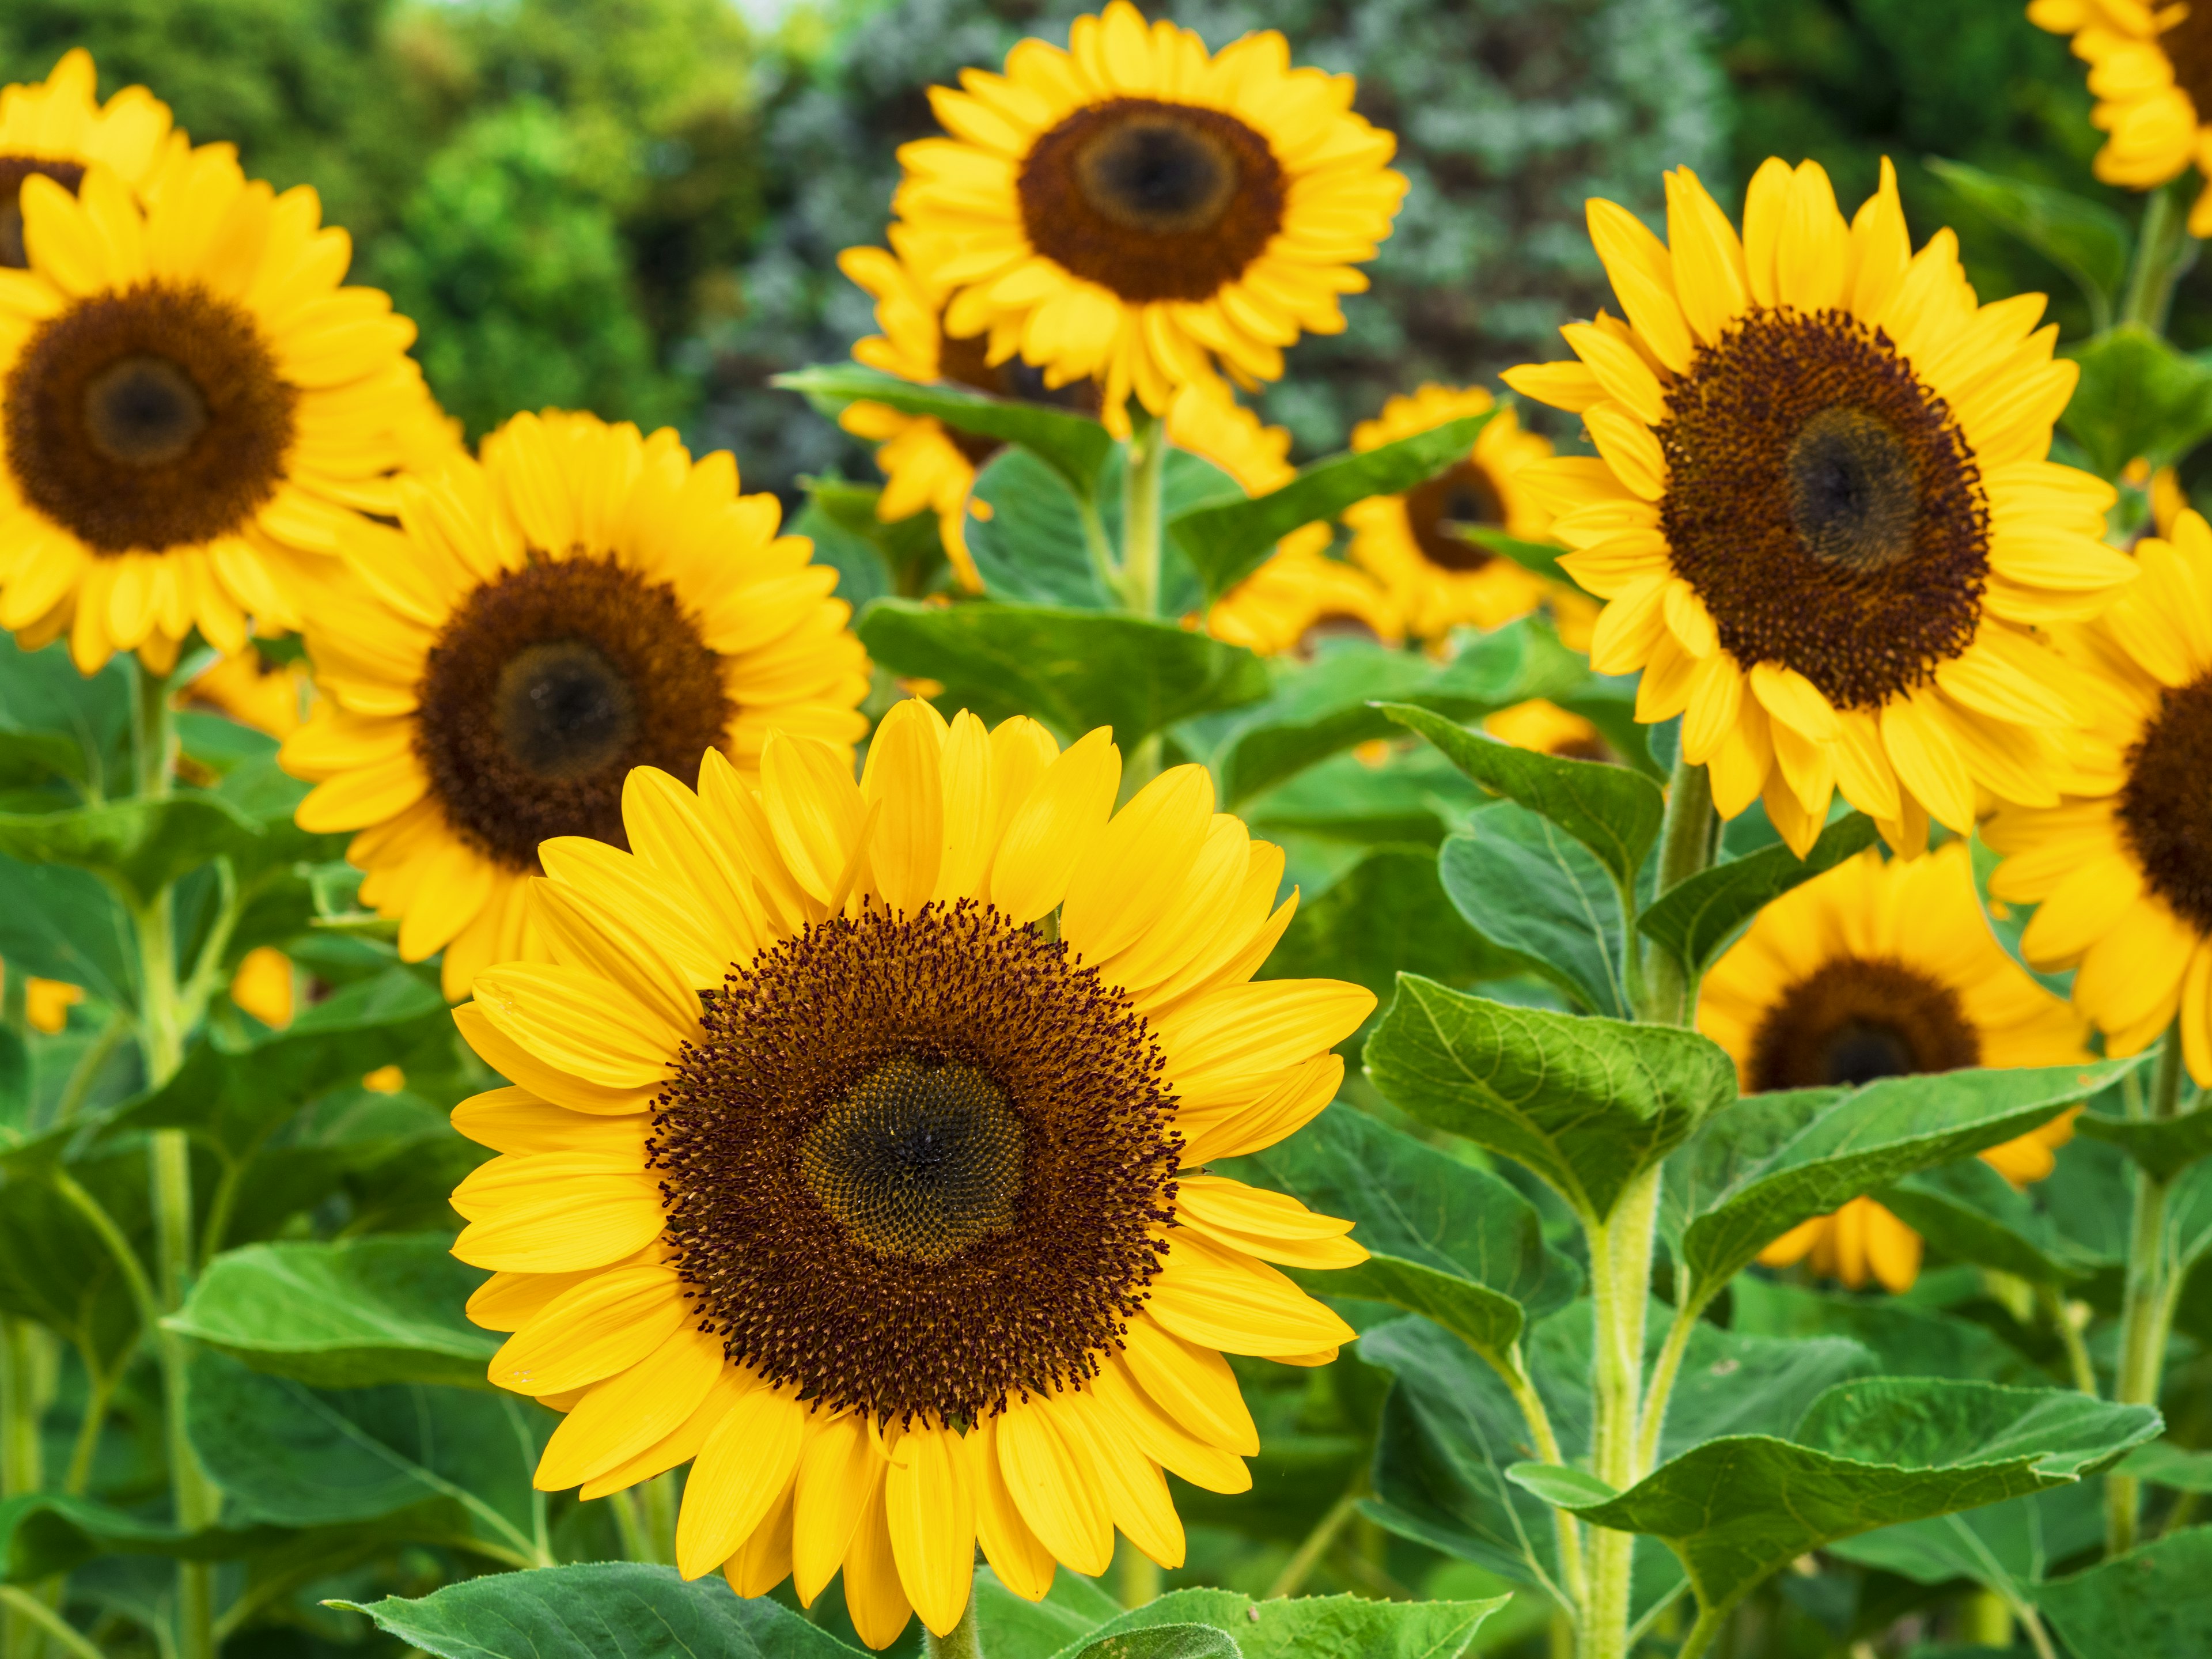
{"x":1124,"y":835}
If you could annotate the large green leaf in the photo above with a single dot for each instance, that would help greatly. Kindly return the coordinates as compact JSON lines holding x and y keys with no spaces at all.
{"x":141,"y":845}
{"x":1034,"y":548}
{"x":1282,"y":1628}
{"x":295,"y":1456}
{"x":56,"y":1267}
{"x":1320,"y":709}
{"x":2163,"y":1147}
{"x":2138,"y":397}
{"x":42,"y":697}
{"x":1075,"y":445}
{"x":2007,"y":1547}
{"x":1610,"y":810}
{"x":1446,"y":1240}
{"x":1073,"y":670}
{"x":1906,"y":1340}
{"x":2085,"y":238}
{"x":608,"y":1610}
{"x":233,"y":1098}
{"x":872,"y":558}
{"x":2164,"y":1464}
{"x":1011,"y":1627}
{"x":1586,"y":1103}
{"x":1161,"y":1642}
{"x":43,"y":1534}
{"x":349,"y":1314}
{"x":1698,"y":919}
{"x":60,"y":923}
{"x":1226,"y":542}
{"x":1535,"y":896}
{"x":2154,"y":1602}
{"x":1809,"y":1154}
{"x":1868,"y":1453}
{"x":1970,"y":1213}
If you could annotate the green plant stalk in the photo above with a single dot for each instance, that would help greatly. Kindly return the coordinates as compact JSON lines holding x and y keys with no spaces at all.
{"x":22,"y":1604}
{"x":2164,"y":250}
{"x":1651,"y":1422}
{"x":2084,"y":1371}
{"x":26,"y":1391}
{"x":1620,"y":1288}
{"x":1686,"y":837}
{"x":1141,"y":528}
{"x":1574,"y":1576}
{"x":100,"y":1386}
{"x":963,"y":1640}
{"x":2147,"y":1305}
{"x":1137,"y":1574}
{"x":1317,"y":1542}
{"x":1703,"y":1633}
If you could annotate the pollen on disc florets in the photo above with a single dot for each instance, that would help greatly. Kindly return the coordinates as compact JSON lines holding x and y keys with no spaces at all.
{"x":917,"y":1163}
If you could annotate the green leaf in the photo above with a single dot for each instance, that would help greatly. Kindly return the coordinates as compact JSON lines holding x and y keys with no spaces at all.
{"x":1610,"y":810}
{"x":1831,"y":1152}
{"x":1447,"y":1239}
{"x":1075,"y":445}
{"x":2154,"y":1602}
{"x":2164,"y":1464}
{"x":1228,"y":542}
{"x":1385,"y":916}
{"x":2138,"y":397}
{"x":1308,"y":1627}
{"x":1536,"y":897}
{"x":1970,"y":1213}
{"x":233,"y":1098}
{"x":1034,"y":548}
{"x":2164,"y":1147}
{"x":141,"y":845}
{"x":1867,"y":1453}
{"x":872,"y":558}
{"x":349,"y":1314}
{"x":1163,"y":1642}
{"x":1538,"y":558}
{"x":2006,"y":1547}
{"x":41,"y":693}
{"x":1586,"y":1103}
{"x":608,"y":1610}
{"x":1073,"y":670}
{"x":1320,"y":709}
{"x":43,"y":1534}
{"x":2086,"y":239}
{"x":1907,"y":1340}
{"x":59,"y":923}
{"x":1698,"y":919}
{"x":294,"y":1457}
{"x":55,"y":1267}
{"x":1012,"y":1627}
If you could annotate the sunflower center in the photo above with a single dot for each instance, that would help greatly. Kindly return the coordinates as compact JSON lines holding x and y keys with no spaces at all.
{"x":1856,"y":1018}
{"x":920,"y":1162}
{"x":14,"y":169}
{"x":1824,"y":505}
{"x":2188,"y":46}
{"x":1153,"y":200}
{"x":545,"y":687}
{"x":1463,"y":496}
{"x":152,"y":416}
{"x":2166,"y":808}
{"x":915,"y":1162}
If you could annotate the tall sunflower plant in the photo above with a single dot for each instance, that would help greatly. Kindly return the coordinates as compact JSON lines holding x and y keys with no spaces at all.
{"x":1622,"y":1032}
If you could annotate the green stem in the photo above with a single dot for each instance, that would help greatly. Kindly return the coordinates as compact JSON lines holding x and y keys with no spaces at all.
{"x":102,"y":1393}
{"x":1317,"y":1543}
{"x":2164,"y":250}
{"x":118,"y":1247}
{"x":1141,"y":517}
{"x":86,"y":1072}
{"x":963,"y":1640}
{"x":1620,"y":1288}
{"x":1102,"y":565}
{"x":1703,"y":1634}
{"x":24,"y":1605}
{"x":2146,"y":1304}
{"x":150,"y":732}
{"x":1139,"y":1575}
{"x":1687,"y":836}
{"x":1574,"y":1578}
{"x":26,"y":1391}
{"x":1651,"y":1422}
{"x":2077,"y":1351}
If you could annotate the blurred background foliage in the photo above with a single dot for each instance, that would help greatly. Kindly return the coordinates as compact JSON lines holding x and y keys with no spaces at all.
{"x":633,"y":205}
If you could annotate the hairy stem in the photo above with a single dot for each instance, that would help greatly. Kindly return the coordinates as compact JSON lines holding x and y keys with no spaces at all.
{"x":963,"y":1640}
{"x":1141,"y":517}
{"x":1687,"y":836}
{"x":1651,"y":1421}
{"x":1703,"y":1634}
{"x":1574,"y":1576}
{"x":1137,"y":1574}
{"x":2146,"y":1305}
{"x":1620,"y":1282}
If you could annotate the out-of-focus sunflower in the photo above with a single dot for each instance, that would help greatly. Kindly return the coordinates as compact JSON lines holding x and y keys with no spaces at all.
{"x":1822,"y":510}
{"x":928,"y":466}
{"x":194,"y":411}
{"x":268,"y":696}
{"x":2121,"y":873}
{"x":261,"y":986}
{"x":1550,"y":729}
{"x":826,"y":1170}
{"x":1875,"y":970}
{"x":2150,"y":66}
{"x":47,"y":1002}
{"x":1299,"y":591}
{"x":57,"y":127}
{"x":1439,"y":580}
{"x":583,"y":601}
{"x":1134,"y":211}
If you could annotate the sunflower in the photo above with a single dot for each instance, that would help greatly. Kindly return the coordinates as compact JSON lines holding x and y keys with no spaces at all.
{"x":47,"y":1002}
{"x":1875,"y":970}
{"x":1550,"y":729}
{"x":2150,"y":66}
{"x":1135,"y":212}
{"x":583,"y":601}
{"x":1439,"y":580}
{"x":1821,"y":511}
{"x":846,"y":1159}
{"x":194,"y":411}
{"x":264,"y":696}
{"x":928,"y":466}
{"x":57,"y":127}
{"x":2121,"y":871}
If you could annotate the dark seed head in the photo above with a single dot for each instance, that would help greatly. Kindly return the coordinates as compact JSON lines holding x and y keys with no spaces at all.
{"x":1856,"y":1018}
{"x":2165,"y":806}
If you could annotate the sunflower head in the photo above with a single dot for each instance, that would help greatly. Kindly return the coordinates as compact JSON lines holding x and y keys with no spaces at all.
{"x":1883,"y":970}
{"x":1139,"y":213}
{"x":1549,"y":729}
{"x":854,"y":1156}
{"x":1822,"y":510}
{"x":2119,"y":869}
{"x":2150,"y":67}
{"x":194,"y":413}
{"x":57,"y":127}
{"x":584,"y":601}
